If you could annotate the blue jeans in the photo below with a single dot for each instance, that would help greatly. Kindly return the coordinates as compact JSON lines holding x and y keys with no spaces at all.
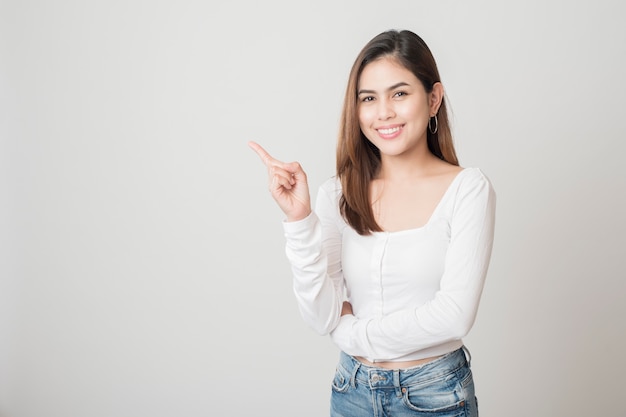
{"x":441,"y":388}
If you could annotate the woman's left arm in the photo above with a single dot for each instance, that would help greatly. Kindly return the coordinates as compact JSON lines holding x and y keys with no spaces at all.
{"x":451,"y":313}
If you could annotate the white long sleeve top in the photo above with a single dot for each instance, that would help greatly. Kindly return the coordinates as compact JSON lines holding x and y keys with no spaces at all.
{"x":414,"y":293}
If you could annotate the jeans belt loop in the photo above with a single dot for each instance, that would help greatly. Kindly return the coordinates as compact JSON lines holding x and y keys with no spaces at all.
{"x":353,"y":376}
{"x":396,"y":382}
{"x":468,"y":356}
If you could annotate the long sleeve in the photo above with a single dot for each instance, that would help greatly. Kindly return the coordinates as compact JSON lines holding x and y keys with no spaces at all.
{"x":313,"y":248}
{"x":451,"y":313}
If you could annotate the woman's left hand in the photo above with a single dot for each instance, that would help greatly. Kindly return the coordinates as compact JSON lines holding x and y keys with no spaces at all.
{"x":346,"y":308}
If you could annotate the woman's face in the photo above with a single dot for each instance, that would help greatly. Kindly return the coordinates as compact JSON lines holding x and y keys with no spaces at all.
{"x":393,"y":108}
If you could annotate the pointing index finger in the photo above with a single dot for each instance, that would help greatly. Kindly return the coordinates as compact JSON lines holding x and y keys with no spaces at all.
{"x":265,"y":157}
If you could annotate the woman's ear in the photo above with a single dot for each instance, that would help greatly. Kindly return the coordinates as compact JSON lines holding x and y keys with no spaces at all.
{"x":435,"y":98}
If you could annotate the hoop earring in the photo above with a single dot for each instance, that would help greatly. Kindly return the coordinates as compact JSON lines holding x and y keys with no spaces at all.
{"x":430,"y":128}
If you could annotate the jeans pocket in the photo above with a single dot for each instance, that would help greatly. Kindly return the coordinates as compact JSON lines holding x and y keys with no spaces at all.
{"x":341,"y":380}
{"x":440,"y":398}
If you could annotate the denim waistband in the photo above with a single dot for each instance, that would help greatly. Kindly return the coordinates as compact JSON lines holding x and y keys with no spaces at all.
{"x":377,"y":377}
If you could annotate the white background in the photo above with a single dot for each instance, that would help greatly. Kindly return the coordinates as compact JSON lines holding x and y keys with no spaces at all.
{"x":142,"y":267}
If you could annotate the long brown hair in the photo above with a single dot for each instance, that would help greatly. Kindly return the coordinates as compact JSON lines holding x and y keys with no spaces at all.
{"x":358,"y":160}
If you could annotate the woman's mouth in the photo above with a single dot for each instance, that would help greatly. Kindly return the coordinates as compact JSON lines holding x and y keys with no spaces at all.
{"x":389,"y":132}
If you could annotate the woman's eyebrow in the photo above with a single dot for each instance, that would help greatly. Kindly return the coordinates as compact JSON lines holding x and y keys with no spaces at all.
{"x":393,"y":87}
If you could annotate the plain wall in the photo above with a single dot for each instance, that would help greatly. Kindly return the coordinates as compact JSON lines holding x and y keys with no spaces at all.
{"x":142,"y":266}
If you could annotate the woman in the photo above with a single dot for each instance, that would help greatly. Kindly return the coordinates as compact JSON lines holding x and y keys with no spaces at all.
{"x":392,"y":261}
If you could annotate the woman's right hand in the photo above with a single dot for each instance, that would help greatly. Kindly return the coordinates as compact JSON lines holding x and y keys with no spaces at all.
{"x":288,"y":185}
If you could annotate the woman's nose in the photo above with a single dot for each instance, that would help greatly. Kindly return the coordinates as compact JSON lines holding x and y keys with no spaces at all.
{"x":385,"y":110}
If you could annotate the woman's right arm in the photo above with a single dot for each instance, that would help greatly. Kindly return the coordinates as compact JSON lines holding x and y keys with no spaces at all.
{"x":313,"y":243}
{"x":313,"y":247}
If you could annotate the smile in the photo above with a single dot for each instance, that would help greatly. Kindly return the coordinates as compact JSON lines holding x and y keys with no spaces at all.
{"x":389,"y":131}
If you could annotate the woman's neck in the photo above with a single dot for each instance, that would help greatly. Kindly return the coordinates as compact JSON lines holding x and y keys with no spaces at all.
{"x":400,"y":168}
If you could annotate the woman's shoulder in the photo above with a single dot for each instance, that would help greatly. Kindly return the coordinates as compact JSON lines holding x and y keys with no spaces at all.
{"x":331,"y":186}
{"x":473,"y":181}
{"x":472,"y":175}
{"x":328,"y":198}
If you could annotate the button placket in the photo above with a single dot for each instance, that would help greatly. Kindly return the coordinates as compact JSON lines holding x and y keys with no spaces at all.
{"x":376,"y":265}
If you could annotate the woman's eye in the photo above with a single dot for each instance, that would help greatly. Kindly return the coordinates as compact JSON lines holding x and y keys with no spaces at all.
{"x":367,"y":99}
{"x":399,"y":94}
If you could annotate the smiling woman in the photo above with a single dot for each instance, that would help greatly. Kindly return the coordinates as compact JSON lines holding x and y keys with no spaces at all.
{"x":141,"y":273}
{"x":392,"y":261}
